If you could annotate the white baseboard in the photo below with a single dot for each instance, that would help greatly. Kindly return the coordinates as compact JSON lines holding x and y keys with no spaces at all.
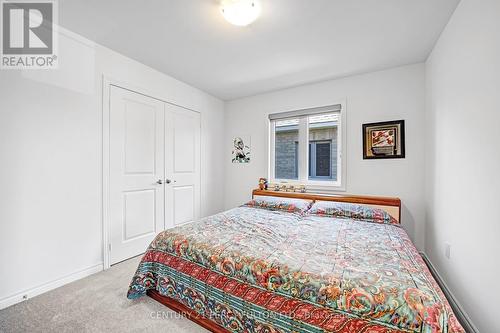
{"x":30,"y":293}
{"x":459,"y":311}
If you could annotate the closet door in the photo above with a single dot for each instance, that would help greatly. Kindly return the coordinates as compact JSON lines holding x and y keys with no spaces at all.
{"x":137,"y":172}
{"x":182,"y":165}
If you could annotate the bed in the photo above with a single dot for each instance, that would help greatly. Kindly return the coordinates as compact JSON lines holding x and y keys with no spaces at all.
{"x":289,"y":262}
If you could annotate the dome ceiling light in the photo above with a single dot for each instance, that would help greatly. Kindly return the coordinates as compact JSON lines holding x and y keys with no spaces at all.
{"x":240,"y":12}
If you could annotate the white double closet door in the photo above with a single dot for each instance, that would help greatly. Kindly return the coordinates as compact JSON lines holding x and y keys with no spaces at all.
{"x":154,"y":164}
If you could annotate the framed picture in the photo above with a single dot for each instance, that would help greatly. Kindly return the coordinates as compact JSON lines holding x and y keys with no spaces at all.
{"x":384,"y":140}
{"x":241,"y":149}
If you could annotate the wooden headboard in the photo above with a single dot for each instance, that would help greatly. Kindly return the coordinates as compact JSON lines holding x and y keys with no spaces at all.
{"x":390,"y":205}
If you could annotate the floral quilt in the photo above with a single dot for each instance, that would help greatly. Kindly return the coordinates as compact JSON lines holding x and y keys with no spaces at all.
{"x":256,"y":270}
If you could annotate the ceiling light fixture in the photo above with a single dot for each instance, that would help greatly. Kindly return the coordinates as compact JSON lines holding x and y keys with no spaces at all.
{"x":240,"y":12}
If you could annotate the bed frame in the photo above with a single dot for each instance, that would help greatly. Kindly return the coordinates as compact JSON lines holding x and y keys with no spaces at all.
{"x":390,"y":205}
{"x":187,"y":312}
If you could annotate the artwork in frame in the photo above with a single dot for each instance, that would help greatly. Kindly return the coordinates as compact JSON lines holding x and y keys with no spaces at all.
{"x":241,"y":149}
{"x":384,"y":140}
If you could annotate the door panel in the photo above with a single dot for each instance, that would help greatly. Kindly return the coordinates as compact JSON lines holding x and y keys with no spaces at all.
{"x":139,"y":214}
{"x":182,"y":165}
{"x":140,"y":123}
{"x":183,"y":204}
{"x":136,"y":161}
{"x":184,"y":143}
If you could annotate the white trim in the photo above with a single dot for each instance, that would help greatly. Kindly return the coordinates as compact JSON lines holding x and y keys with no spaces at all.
{"x":106,"y":86}
{"x":303,"y":150}
{"x":327,"y":187}
{"x":458,"y":309}
{"x":30,"y":293}
{"x":270,"y":149}
{"x":341,"y":149}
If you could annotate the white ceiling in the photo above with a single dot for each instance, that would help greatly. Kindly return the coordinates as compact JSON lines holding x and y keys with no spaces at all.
{"x":293,"y":42}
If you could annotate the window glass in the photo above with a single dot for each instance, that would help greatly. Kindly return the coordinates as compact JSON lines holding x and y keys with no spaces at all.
{"x":286,"y":144}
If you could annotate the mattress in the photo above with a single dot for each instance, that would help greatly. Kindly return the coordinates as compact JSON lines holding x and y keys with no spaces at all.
{"x":258,"y":270}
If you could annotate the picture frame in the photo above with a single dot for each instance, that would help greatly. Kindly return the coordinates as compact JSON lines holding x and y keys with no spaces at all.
{"x":384,"y":140}
{"x":241,"y":149}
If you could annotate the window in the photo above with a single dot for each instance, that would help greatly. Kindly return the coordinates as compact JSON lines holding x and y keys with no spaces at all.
{"x":306,"y":147}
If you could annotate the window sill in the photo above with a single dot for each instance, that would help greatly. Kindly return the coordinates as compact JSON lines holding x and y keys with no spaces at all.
{"x":314,"y":187}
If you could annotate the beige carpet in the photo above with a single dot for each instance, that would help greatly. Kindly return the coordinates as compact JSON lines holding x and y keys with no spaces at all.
{"x":97,"y":303}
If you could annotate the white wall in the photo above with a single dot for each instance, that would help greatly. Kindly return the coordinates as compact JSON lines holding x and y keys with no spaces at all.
{"x":463,"y":164}
{"x":386,"y":95}
{"x":50,"y":148}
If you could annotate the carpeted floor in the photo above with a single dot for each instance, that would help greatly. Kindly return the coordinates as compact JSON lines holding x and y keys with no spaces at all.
{"x":97,"y":303}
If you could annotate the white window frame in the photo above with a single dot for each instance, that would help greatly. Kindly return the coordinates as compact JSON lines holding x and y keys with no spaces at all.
{"x":319,"y":186}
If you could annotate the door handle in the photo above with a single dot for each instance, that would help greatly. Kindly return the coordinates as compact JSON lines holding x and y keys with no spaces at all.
{"x":168,"y":181}
{"x":159,"y":182}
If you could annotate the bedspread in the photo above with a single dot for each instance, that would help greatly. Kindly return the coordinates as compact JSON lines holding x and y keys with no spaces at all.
{"x":256,"y":270}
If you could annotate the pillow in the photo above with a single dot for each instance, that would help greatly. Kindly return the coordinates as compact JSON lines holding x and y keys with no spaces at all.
{"x":352,"y":211}
{"x":279,"y":203}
